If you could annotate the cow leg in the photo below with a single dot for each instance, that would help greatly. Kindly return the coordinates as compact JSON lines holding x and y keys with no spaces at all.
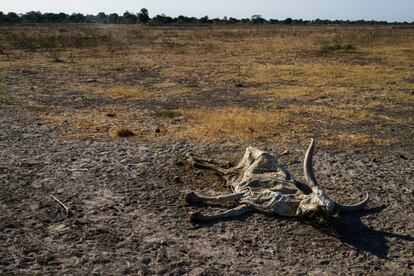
{"x":219,"y":166}
{"x":229,"y":214}
{"x":193,"y":198}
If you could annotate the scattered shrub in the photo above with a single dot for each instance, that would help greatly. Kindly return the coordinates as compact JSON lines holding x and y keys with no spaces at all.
{"x":85,"y":100}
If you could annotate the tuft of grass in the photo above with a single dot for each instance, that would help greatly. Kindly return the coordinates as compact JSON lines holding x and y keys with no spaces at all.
{"x":167,"y":113}
{"x":56,"y":56}
{"x":124,"y":132}
{"x":127,"y":92}
{"x":85,"y":100}
{"x":37,"y":108}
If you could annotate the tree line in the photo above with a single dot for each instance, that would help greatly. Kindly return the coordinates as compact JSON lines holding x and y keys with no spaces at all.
{"x":143,"y":17}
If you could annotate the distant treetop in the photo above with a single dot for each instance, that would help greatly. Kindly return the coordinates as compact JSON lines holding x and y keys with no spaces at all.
{"x":143,"y":17}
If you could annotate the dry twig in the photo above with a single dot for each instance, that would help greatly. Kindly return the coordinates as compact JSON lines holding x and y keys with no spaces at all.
{"x":61,"y":204}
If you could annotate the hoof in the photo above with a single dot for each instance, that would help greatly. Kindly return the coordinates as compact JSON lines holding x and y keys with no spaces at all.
{"x":196,"y":217}
{"x":192,"y":198}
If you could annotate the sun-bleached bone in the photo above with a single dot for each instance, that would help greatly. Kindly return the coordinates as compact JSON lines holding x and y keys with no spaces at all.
{"x":260,"y":183}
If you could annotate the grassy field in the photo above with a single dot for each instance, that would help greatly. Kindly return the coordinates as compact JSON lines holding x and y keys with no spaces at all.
{"x":349,"y":86}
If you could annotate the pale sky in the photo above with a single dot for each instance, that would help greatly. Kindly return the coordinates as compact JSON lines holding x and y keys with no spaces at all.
{"x":390,"y":10}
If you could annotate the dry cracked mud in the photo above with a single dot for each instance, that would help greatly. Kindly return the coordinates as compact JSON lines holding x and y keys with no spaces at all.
{"x":128,"y":215}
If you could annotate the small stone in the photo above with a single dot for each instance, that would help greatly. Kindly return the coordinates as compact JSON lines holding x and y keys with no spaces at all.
{"x":124,"y":132}
{"x":402,"y":156}
{"x":146,"y":260}
{"x":157,"y":130}
{"x":324,"y":262}
{"x":178,"y":271}
{"x":177,"y":179}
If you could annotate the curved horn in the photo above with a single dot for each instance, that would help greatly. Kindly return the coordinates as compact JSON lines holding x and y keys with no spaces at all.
{"x":353,"y":208}
{"x":308,"y":167}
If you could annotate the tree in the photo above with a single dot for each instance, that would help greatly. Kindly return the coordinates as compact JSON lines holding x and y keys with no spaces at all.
{"x":258,"y":19}
{"x":102,"y":18}
{"x":245,"y":20}
{"x":129,"y":18}
{"x":288,"y":21}
{"x":12,"y":17}
{"x":77,"y":18}
{"x":161,"y":20}
{"x":2,"y":17}
{"x":274,"y":21}
{"x":55,"y":17}
{"x":233,"y":20}
{"x":33,"y":17}
{"x":113,"y":18}
{"x":205,"y":20}
{"x":143,"y":16}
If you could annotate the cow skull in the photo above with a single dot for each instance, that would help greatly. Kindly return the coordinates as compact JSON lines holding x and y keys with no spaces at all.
{"x":260,"y":183}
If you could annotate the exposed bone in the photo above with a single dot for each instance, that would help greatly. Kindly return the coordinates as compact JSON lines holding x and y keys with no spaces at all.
{"x":308,"y":166}
{"x":232,"y":213}
{"x":210,"y":164}
{"x":193,"y":198}
{"x":353,"y":208}
{"x":261,"y":184}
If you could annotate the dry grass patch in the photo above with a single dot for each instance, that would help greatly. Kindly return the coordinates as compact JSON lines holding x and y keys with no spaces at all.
{"x":347,"y":96}
{"x":292,"y":124}
{"x":9,"y":100}
{"x":38,"y":108}
{"x":102,"y":123}
{"x":167,"y":113}
{"x":175,"y":89}
{"x":127,"y":92}
{"x":323,"y":112}
{"x":239,"y":123}
{"x":363,"y":139}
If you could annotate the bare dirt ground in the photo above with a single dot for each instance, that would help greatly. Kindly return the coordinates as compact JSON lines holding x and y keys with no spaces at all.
{"x":59,"y":113}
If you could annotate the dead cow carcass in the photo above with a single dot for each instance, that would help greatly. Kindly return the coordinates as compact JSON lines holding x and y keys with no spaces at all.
{"x":261,"y":183}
